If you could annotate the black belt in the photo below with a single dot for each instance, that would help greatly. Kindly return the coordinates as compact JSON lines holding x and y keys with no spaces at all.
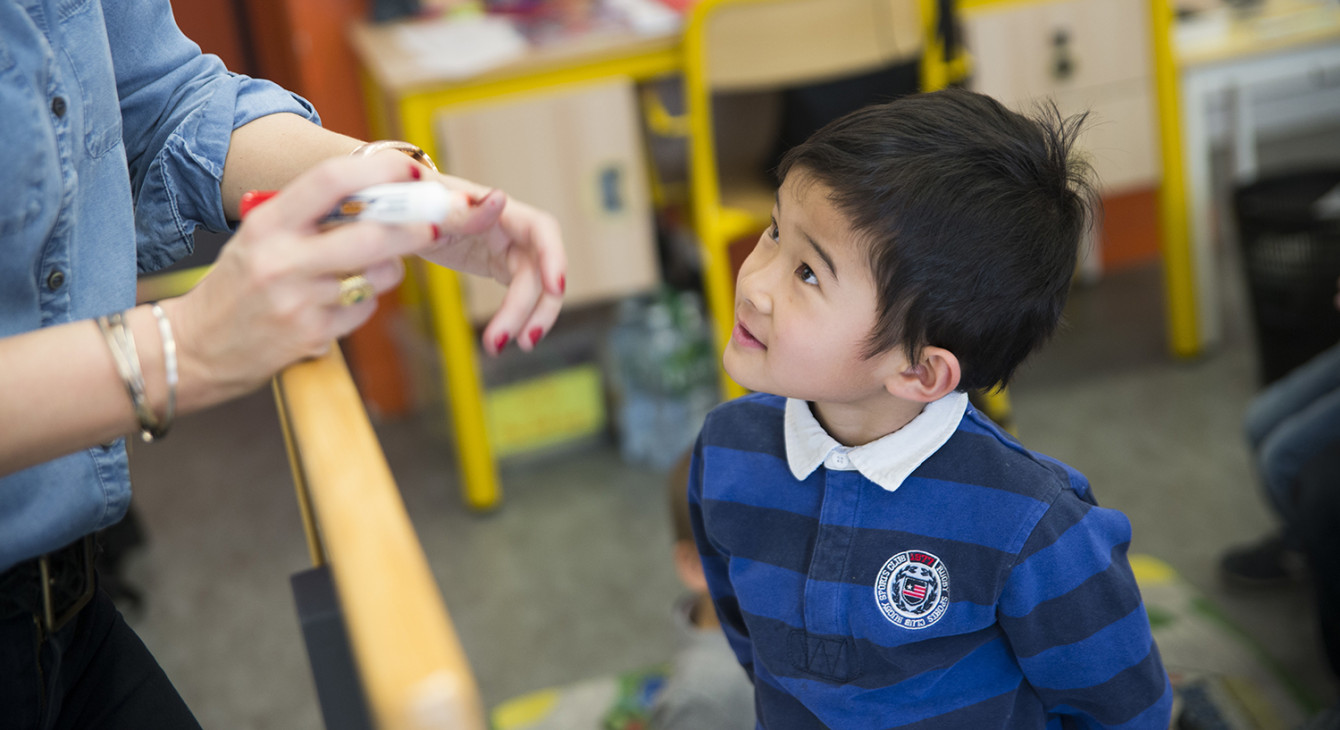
{"x":51,"y":588}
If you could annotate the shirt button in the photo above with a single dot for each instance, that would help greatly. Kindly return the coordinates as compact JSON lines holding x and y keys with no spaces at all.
{"x":55,"y":279}
{"x":58,"y":106}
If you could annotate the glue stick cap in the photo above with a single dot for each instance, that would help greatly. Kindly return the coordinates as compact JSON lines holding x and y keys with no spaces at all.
{"x":253,"y":198}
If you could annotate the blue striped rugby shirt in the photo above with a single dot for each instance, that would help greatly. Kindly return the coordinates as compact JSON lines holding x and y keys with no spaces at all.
{"x":985,"y":590}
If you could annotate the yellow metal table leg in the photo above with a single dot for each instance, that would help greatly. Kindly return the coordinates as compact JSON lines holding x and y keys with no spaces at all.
{"x":996,"y":405}
{"x":720,"y":291}
{"x":463,"y":389}
{"x":1184,"y":321}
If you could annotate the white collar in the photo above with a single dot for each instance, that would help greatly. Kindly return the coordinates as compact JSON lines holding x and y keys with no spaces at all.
{"x":886,"y":461}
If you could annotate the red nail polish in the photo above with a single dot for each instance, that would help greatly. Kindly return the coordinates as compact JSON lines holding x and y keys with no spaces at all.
{"x":437,"y":232}
{"x":535,"y":334}
{"x":415,"y":172}
{"x":562,"y":283}
{"x":501,"y":341}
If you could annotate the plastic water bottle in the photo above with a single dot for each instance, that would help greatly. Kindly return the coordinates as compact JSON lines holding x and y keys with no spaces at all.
{"x":665,"y":371}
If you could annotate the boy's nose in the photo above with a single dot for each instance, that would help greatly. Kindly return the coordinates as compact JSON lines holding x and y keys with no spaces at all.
{"x":752,"y":283}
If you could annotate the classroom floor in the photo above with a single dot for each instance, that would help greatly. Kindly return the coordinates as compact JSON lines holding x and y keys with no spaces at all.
{"x":572,"y":578}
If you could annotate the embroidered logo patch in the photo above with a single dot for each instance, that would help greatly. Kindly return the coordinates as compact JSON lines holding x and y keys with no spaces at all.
{"x":913,"y":589}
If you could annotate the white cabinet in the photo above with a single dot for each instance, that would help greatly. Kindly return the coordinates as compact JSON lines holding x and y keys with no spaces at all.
{"x":577,"y":152}
{"x":1087,"y":55}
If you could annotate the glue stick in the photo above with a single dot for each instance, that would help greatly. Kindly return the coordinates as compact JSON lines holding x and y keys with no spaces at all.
{"x":408,"y":202}
{"x":411,"y":202}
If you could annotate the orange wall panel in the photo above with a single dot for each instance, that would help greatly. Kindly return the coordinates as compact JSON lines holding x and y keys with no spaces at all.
{"x":1130,"y":229}
{"x":301,"y":45}
{"x":324,"y":61}
{"x":213,"y":25}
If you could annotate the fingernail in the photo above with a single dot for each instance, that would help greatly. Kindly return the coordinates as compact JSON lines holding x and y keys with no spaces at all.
{"x":501,"y":341}
{"x":476,"y":201}
{"x":415,"y":172}
{"x":535,"y":334}
{"x":437,"y":232}
{"x":562,"y":283}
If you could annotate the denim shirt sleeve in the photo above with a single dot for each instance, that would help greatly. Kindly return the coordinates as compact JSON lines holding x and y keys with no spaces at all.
{"x":178,"y":110}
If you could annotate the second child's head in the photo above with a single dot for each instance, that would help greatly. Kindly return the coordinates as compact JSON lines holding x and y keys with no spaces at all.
{"x":688,"y":563}
{"x":930,"y":240}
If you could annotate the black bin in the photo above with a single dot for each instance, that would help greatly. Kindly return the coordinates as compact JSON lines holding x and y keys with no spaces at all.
{"x":1289,"y":233}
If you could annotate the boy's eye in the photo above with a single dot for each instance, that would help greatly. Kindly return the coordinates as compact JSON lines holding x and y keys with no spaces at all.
{"x":773,"y":233}
{"x":806,"y":274}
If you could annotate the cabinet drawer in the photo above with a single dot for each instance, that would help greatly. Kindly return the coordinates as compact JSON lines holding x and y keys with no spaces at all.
{"x":1119,"y":135}
{"x":1051,"y":47}
{"x":576,"y":152}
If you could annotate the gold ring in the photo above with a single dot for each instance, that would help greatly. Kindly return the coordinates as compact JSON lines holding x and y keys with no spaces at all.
{"x":354,"y":289}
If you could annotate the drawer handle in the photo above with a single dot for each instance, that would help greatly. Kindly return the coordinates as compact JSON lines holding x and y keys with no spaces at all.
{"x":1063,"y":59}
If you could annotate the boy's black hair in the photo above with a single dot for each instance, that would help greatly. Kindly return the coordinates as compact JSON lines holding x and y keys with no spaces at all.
{"x":973,"y":215}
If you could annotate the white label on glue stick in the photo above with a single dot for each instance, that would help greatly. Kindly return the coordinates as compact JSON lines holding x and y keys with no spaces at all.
{"x":412,"y":202}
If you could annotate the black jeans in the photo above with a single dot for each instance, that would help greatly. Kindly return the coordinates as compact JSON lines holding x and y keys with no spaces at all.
{"x":92,"y":673}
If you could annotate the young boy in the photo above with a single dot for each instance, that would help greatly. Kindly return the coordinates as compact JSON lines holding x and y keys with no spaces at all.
{"x":880,"y":554}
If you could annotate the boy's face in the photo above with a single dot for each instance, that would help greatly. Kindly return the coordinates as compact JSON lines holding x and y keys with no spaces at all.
{"x":805,"y":305}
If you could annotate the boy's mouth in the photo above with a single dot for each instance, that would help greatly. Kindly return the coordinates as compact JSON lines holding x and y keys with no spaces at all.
{"x":744,"y":338}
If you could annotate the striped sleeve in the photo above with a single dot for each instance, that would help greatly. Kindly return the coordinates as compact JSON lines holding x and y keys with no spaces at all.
{"x":1073,"y":614}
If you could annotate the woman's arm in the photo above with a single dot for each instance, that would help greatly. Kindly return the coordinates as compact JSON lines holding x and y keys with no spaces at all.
{"x":267,"y":153}
{"x":271,"y":299}
{"x":53,"y":410}
{"x":490,"y":235}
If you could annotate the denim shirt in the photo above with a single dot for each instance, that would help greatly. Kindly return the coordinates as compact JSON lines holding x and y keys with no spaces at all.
{"x":113,"y":133}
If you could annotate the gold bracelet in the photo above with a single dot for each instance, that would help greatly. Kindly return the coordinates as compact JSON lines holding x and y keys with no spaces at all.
{"x":413,"y":150}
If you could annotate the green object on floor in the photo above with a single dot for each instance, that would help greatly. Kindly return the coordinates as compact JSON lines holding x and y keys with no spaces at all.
{"x":617,"y":702}
{"x":1223,"y":679}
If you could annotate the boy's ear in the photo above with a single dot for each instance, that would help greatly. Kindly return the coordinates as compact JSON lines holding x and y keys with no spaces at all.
{"x":936,"y":373}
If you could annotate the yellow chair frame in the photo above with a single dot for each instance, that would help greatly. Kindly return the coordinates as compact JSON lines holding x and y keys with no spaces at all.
{"x":752,"y":45}
{"x":737,"y":46}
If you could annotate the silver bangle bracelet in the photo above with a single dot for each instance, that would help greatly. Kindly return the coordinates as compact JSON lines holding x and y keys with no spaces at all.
{"x":169,"y":368}
{"x":121,"y":341}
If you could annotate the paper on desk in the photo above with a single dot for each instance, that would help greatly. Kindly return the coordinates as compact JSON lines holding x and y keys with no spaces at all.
{"x":462,"y":46}
{"x":648,"y":17}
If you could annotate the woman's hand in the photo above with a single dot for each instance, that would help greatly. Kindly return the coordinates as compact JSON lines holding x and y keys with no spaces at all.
{"x":513,"y":243}
{"x":273,"y":296}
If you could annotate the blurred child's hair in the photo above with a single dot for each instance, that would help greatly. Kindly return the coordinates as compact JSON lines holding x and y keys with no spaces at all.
{"x":972,"y":214}
{"x":677,"y":490}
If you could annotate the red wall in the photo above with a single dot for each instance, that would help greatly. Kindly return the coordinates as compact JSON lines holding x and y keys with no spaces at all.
{"x":299,"y":44}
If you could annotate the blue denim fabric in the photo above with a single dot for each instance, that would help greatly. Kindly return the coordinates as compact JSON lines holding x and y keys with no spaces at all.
{"x":1289,"y":422}
{"x":110,"y":181}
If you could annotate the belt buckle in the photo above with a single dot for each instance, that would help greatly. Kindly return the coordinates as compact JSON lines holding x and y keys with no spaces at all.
{"x":51,"y":623}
